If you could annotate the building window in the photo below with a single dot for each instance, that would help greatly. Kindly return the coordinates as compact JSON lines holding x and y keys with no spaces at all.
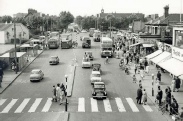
{"x":179,"y":39}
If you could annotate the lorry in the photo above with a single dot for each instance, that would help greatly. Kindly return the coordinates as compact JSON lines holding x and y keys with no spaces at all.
{"x":106,"y":47}
{"x":91,"y":32}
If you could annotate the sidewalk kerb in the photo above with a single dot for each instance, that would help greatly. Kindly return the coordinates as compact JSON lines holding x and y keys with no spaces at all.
{"x":20,"y":73}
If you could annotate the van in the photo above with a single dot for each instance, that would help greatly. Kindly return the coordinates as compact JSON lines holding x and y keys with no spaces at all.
{"x":86,"y":42}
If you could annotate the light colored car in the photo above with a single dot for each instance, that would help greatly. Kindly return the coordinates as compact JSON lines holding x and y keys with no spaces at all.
{"x":54,"y":60}
{"x":83,"y":31}
{"x":86,"y":63}
{"x":36,"y":75}
{"x":95,"y":77}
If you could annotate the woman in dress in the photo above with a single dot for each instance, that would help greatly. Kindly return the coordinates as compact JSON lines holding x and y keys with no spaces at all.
{"x":144,"y":99}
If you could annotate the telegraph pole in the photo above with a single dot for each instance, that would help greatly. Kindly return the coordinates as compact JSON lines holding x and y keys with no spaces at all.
{"x":15,"y":48}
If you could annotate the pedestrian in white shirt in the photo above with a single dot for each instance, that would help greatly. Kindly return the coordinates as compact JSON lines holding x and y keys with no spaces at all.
{"x":58,"y":91}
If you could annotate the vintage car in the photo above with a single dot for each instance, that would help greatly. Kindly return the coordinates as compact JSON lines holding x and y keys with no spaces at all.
{"x":99,"y":90}
{"x":89,"y":53}
{"x":86,"y":42}
{"x":54,"y":60}
{"x":36,"y":75}
{"x":95,"y":77}
{"x":97,"y":67}
{"x":86,"y":63}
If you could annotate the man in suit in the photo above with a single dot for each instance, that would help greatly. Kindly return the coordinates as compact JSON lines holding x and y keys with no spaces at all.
{"x":139,"y":95}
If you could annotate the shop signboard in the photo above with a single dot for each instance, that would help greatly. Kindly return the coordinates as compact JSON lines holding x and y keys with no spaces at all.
{"x":147,"y":41}
{"x":177,"y":53}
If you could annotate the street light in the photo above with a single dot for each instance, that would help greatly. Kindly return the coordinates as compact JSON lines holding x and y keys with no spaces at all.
{"x":66,"y":76}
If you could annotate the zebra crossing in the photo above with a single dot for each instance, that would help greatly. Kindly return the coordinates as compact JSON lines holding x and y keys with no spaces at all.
{"x":31,"y":105}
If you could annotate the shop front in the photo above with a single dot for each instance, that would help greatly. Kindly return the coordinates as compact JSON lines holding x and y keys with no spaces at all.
{"x":10,"y":57}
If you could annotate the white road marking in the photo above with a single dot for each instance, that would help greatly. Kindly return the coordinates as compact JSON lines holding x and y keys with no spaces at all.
{"x":35,"y":105}
{"x":120,"y":105}
{"x":132,"y":105}
{"x":94,"y":106}
{"x":47,"y":105}
{"x":2,"y":101}
{"x":22,"y":105}
{"x":9,"y":106}
{"x":107,"y":105}
{"x":147,"y":108}
{"x":81,"y":105}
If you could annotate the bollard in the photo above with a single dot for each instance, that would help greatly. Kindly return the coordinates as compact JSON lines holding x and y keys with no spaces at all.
{"x":152,"y":92}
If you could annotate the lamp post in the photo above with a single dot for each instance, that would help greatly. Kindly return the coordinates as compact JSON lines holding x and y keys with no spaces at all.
{"x":66,"y":76}
{"x":15,"y":48}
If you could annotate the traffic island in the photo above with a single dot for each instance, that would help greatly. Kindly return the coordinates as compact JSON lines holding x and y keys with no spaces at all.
{"x":70,"y":83}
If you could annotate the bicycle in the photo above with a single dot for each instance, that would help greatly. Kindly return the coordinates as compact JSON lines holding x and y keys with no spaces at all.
{"x":163,"y":108}
{"x":106,"y":60}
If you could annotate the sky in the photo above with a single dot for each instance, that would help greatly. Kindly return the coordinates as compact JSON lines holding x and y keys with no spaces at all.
{"x":90,"y":7}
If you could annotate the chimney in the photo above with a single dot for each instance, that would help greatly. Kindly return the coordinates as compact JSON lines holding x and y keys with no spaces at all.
{"x":166,"y":9}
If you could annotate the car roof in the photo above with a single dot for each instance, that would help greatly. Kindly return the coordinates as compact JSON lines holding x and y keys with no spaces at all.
{"x":85,"y":37}
{"x":95,"y":72}
{"x":36,"y":70}
{"x":98,"y":82}
{"x":54,"y":56}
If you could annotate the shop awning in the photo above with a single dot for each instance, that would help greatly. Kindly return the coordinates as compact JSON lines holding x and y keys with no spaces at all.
{"x":147,"y":45}
{"x":134,"y":44}
{"x":154,"y":54}
{"x":161,"y":57}
{"x":173,"y":66}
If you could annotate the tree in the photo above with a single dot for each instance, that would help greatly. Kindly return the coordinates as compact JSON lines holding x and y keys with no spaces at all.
{"x":7,"y":19}
{"x":65,"y":18}
{"x":78,"y":20}
{"x":20,"y":20}
{"x":88,"y":22}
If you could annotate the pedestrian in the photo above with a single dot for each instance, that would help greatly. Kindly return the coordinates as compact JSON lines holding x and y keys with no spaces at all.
{"x":157,"y":82}
{"x":174,"y":107}
{"x":134,"y":79}
{"x":136,"y":66}
{"x":173,"y":84}
{"x":58,"y":91}
{"x":168,"y":97}
{"x":152,"y":75}
{"x":144,"y":99}
{"x":159,"y":76}
{"x":147,"y":69}
{"x":140,"y":83}
{"x":62,"y":96}
{"x":145,"y":64}
{"x":1,"y":76}
{"x":159,"y":95}
{"x":139,"y":95}
{"x":177,"y":84}
{"x":54,"y":98}
{"x":142,"y":74}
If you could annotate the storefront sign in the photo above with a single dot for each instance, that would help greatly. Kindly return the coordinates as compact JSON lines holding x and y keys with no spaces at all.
{"x":177,"y":53}
{"x":148,"y":41}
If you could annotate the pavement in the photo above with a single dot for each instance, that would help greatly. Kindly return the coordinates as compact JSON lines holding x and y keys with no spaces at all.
{"x":165,"y":81}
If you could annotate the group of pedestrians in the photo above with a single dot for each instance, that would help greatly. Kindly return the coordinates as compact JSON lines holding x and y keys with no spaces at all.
{"x":141,"y":95}
{"x":59,"y":93}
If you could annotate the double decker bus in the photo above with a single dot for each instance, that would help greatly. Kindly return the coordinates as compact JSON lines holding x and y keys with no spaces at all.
{"x":53,"y":43}
{"x":66,"y":40}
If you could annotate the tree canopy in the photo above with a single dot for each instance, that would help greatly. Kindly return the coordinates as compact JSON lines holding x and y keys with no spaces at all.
{"x":65,"y":18}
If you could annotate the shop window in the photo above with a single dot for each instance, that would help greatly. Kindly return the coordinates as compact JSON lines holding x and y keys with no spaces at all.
{"x":179,"y":39}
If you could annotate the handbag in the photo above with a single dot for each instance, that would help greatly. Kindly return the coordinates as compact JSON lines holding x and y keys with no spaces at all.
{"x":157,"y":96}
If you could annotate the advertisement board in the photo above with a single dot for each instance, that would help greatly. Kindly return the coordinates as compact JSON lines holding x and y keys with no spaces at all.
{"x":177,"y":53}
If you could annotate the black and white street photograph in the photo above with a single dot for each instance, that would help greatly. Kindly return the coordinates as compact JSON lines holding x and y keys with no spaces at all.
{"x":91,"y":60}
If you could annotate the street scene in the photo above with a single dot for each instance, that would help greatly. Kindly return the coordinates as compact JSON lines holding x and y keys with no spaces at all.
{"x":91,"y":66}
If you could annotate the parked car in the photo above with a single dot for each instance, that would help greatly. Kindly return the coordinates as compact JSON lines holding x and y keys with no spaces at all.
{"x":83,"y":31}
{"x":86,"y":63}
{"x":54,"y":60}
{"x":99,"y":90}
{"x":89,"y":53}
{"x":36,"y":75}
{"x":95,"y":77}
{"x":97,"y":67}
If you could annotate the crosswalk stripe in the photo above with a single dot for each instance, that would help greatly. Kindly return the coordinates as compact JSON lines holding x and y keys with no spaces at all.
{"x":35,"y":105}
{"x":22,"y":105}
{"x":120,"y":105}
{"x":107,"y":105}
{"x":9,"y":106}
{"x":147,"y":108}
{"x":94,"y":106}
{"x":2,"y":101}
{"x":81,"y":105}
{"x":47,"y":105}
{"x":132,"y":105}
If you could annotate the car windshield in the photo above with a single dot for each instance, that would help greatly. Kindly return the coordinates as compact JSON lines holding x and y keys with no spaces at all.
{"x":95,"y":75}
{"x":53,"y":58}
{"x":35,"y":72}
{"x":107,"y":49}
{"x":85,"y":60}
{"x":99,"y":86}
